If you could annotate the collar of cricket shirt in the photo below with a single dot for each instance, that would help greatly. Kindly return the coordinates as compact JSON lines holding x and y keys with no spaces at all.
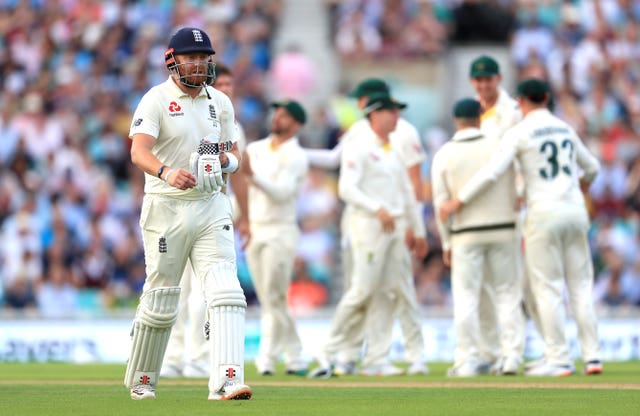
{"x":470,"y":133}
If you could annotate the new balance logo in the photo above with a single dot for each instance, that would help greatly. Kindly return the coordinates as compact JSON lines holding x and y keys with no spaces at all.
{"x":197,"y":36}
{"x":162,"y":245}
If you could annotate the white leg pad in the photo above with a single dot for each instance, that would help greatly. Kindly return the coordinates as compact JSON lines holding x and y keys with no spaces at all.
{"x":156,"y":314}
{"x":226,"y":309}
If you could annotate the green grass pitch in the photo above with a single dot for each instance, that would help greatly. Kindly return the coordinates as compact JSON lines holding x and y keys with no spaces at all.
{"x":67,"y":389}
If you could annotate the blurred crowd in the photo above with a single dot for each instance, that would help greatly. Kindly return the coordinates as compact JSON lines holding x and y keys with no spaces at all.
{"x":71,"y":72}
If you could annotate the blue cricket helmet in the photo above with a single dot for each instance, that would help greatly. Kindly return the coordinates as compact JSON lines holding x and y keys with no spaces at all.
{"x":189,"y":40}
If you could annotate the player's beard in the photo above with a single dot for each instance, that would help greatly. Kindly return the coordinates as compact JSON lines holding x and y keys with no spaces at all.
{"x":194,"y":76}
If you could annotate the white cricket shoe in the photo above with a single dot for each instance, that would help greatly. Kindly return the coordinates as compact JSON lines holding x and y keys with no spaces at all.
{"x":232,"y":390}
{"x":593,"y":367}
{"x":348,"y":368}
{"x":143,"y":392}
{"x":321,"y":372}
{"x":418,"y":368}
{"x":265,"y":368}
{"x":534,"y":363}
{"x":170,"y":371}
{"x":466,"y":369}
{"x":196,"y":370}
{"x":382,"y":370}
{"x":489,"y":367}
{"x":509,"y":367}
{"x":550,"y":370}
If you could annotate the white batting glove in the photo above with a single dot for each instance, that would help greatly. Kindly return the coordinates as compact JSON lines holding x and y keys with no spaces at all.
{"x":209,"y":174}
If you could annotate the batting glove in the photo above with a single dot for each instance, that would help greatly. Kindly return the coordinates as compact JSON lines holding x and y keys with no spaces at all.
{"x":207,"y":171}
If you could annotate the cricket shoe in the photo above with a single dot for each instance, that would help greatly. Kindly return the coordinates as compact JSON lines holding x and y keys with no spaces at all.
{"x":534,"y":363}
{"x":593,"y":367}
{"x":196,"y":370}
{"x":297,"y":368}
{"x":321,"y":372}
{"x":418,"y":368}
{"x":170,"y":371}
{"x":509,"y":367}
{"x":550,"y":370}
{"x":348,"y":368}
{"x":265,"y":367}
{"x":143,"y":392}
{"x":382,"y":370}
{"x":466,"y":369}
{"x":232,"y":390}
{"x":489,"y":367}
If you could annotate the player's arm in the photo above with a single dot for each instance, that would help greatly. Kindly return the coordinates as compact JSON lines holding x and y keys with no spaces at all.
{"x":351,"y":171}
{"x":416,"y":235}
{"x":441,"y":194}
{"x":286,"y":184}
{"x":415,"y":178}
{"x":587,"y":162}
{"x":325,"y":158}
{"x":143,"y":157}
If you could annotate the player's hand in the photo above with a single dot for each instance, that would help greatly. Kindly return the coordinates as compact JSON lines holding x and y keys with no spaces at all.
{"x":244,"y":232}
{"x":207,"y":171}
{"x":446,"y":257}
{"x":420,"y":248}
{"x":181,"y":179}
{"x":224,"y":160}
{"x":409,"y":239}
{"x":386,"y":220}
{"x":246,"y":165}
{"x":449,"y":207}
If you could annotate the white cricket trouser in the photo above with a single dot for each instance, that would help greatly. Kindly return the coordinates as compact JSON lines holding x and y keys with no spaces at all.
{"x":270,"y":256}
{"x":406,"y":310}
{"x":488,"y":340}
{"x":187,"y":344}
{"x":467,"y":276}
{"x":557,"y":253}
{"x":377,"y":256}
{"x":174,"y":230}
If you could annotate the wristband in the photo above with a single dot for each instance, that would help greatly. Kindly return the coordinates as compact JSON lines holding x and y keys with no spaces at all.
{"x":166,"y":177}
{"x":232,"y":163}
{"x":162,"y":168}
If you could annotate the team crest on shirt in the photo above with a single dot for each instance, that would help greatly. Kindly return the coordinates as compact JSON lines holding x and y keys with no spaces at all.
{"x":175,"y":109}
{"x":212,"y":115}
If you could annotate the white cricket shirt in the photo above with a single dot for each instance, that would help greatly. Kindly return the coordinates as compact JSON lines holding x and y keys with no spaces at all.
{"x":278,"y":175}
{"x":178,"y":122}
{"x":550,"y":154}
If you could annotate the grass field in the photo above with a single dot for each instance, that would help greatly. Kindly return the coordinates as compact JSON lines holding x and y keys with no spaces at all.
{"x":65,"y":389}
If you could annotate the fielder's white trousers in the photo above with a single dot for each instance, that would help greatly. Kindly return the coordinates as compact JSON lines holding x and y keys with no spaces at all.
{"x":377,"y":259}
{"x":557,"y":254}
{"x":270,"y":256}
{"x":468,"y":263}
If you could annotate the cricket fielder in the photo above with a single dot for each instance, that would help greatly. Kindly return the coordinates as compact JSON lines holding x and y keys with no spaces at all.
{"x":480,"y":244}
{"x":499,"y":113}
{"x":184,"y":139}
{"x":405,"y":140}
{"x":275,"y":168}
{"x":551,"y":156}
{"x":380,"y":206}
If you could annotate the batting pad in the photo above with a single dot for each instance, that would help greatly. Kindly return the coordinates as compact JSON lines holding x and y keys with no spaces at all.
{"x":226,"y":310}
{"x":156,"y":314}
